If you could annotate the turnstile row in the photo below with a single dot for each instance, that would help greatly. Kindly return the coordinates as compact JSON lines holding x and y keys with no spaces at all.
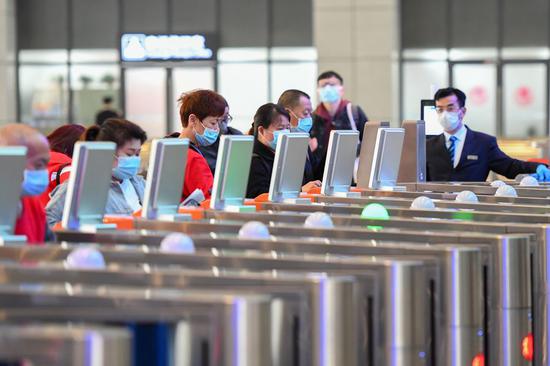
{"x":516,"y":303}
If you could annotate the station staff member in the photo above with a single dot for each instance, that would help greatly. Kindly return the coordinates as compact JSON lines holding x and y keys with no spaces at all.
{"x":462,"y":154}
{"x":31,"y":219}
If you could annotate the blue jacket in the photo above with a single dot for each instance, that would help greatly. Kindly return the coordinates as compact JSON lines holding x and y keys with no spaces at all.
{"x":480,"y":155}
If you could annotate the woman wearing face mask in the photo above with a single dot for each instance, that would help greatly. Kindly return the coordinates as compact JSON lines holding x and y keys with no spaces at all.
{"x":270,"y":121}
{"x":127,"y":187}
{"x":210,"y":152}
{"x":201,"y":112}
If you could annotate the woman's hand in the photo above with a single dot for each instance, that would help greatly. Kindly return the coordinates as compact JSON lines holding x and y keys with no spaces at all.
{"x":313,"y":144}
{"x":311,"y":185}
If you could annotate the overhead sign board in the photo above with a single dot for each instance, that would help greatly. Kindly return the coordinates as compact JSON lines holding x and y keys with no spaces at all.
{"x":137,"y":47}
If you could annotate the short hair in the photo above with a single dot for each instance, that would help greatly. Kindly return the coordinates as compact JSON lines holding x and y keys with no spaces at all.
{"x":291,"y":98}
{"x":202,"y":103}
{"x":266,"y":114}
{"x":329,"y":74}
{"x":116,"y":130}
{"x":446,"y":92}
{"x":107,"y":100}
{"x":63,"y":138}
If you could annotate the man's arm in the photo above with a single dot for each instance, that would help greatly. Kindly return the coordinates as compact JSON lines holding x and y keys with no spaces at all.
{"x":54,"y":209}
{"x":502,"y":164}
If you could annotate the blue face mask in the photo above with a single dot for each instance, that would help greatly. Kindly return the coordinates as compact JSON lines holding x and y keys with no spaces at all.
{"x":35,"y":182}
{"x":329,"y":94}
{"x":208,"y":137}
{"x":304,"y":125}
{"x":128,"y":167}
{"x":276,"y":134}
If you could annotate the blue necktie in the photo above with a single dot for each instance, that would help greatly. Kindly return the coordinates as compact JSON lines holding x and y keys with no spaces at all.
{"x":451,"y":149}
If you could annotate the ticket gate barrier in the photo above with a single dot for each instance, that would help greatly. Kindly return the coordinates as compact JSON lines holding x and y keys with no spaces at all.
{"x":402,"y":236}
{"x":396,"y":285}
{"x":516,"y":307}
{"x":64,"y":345}
{"x":234,"y":329}
{"x":293,"y":294}
{"x":451,"y":196}
{"x":449,"y":214}
{"x":461,"y":306}
{"x":533,"y":192}
{"x":442,"y":204}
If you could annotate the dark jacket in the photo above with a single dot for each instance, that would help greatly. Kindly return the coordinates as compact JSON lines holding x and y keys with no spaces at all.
{"x":480,"y":155}
{"x":261,"y":168}
{"x":323,"y":124}
{"x":210,"y":153}
{"x":309,"y":170}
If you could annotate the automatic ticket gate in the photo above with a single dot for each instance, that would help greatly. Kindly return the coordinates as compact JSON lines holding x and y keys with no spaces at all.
{"x":64,"y":345}
{"x":515,"y":309}
{"x":449,"y":214}
{"x":235,"y":329}
{"x":294,"y":295}
{"x":444,"y":204}
{"x":362,"y":234}
{"x":481,"y":189}
{"x":451,"y":194}
{"x":401,"y":337}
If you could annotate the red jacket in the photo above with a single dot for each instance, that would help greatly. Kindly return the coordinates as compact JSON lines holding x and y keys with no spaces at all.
{"x":197,"y":175}
{"x":59,"y":163}
{"x":32,"y":220}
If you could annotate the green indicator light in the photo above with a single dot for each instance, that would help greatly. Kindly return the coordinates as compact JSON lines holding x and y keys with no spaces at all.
{"x":375,"y":211}
{"x":375,"y":228}
{"x":463,"y":215}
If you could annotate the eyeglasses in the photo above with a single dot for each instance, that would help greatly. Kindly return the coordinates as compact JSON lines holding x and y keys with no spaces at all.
{"x":227,"y":119}
{"x":450,"y":108}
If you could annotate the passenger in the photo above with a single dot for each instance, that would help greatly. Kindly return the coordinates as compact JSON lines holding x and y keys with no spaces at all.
{"x":298,"y":104}
{"x":62,"y":142}
{"x":270,"y":120}
{"x":210,"y":152}
{"x":107,"y":111}
{"x":201,"y":113}
{"x":127,"y":187}
{"x":31,"y":219}
{"x":333,"y":113}
{"x":462,"y":154}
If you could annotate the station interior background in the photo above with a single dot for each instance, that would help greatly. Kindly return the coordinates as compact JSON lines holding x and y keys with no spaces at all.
{"x":58,"y":58}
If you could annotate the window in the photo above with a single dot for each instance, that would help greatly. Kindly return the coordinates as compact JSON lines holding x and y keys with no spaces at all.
{"x":251,"y":77}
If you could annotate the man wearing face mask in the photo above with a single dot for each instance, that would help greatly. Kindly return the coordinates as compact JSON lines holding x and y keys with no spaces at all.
{"x":333,"y":113}
{"x":298,"y":105}
{"x":31,"y":220}
{"x":201,"y":113}
{"x":462,"y":154}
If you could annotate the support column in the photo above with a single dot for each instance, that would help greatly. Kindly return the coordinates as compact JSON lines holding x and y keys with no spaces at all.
{"x":8,"y":93}
{"x":359,"y":40}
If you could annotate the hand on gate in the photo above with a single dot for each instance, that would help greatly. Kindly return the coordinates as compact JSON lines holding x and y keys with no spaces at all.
{"x":542,"y":174}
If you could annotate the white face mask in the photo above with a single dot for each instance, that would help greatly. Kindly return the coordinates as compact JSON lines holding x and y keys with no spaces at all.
{"x":449,"y":120}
